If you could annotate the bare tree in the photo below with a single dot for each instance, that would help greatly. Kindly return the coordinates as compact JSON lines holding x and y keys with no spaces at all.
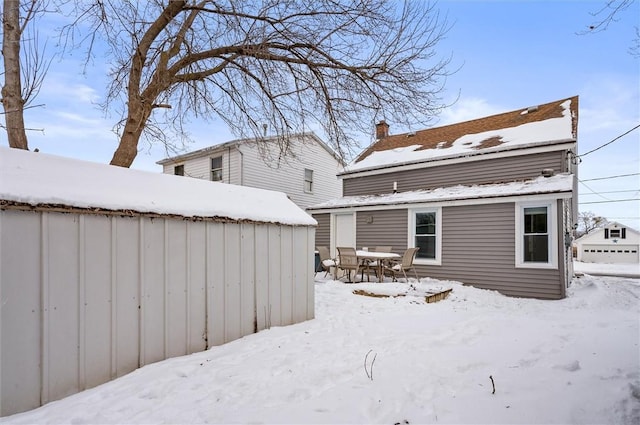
{"x":23,"y":72}
{"x":287,"y":64}
{"x":588,"y":221}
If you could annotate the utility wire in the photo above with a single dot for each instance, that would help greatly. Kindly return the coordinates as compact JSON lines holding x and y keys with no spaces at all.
{"x":593,"y":192}
{"x":608,"y":143}
{"x":610,"y":177}
{"x":610,"y":191}
{"x":606,"y":202}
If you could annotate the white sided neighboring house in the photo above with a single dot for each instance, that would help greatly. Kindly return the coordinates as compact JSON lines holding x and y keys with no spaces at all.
{"x":614,"y":243}
{"x":308,"y":175}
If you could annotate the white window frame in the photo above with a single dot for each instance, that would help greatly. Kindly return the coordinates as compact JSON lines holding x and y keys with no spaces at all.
{"x":213,"y":170}
{"x":310,"y":181}
{"x":552,"y":230}
{"x":411,"y":232}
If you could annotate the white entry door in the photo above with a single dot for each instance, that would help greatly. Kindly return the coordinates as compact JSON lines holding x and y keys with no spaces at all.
{"x":344,"y":231}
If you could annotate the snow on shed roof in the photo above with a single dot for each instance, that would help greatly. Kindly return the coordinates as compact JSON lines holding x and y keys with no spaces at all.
{"x":561,"y":183}
{"x":534,"y":126}
{"x":39,"y":179}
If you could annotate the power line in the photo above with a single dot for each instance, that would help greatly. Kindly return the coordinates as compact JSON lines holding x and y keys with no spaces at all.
{"x":610,"y":177}
{"x":608,"y":143}
{"x":593,"y":192}
{"x":606,"y":202}
{"x":610,"y":191}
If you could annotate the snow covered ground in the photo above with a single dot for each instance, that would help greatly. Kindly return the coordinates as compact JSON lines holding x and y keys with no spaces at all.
{"x":398,"y":360}
{"x":600,"y":269}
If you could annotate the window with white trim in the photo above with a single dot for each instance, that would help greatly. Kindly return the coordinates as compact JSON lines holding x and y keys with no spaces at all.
{"x":308,"y":180}
{"x":425,"y":233}
{"x":536,"y":237}
{"x":216,"y":169}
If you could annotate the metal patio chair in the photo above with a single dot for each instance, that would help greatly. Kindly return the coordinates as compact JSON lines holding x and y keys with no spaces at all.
{"x":404,"y":265}
{"x":326,"y":262}
{"x":348,"y":262}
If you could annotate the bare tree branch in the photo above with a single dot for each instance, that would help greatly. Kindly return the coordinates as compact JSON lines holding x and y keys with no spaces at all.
{"x":608,"y":14}
{"x":337,"y":64}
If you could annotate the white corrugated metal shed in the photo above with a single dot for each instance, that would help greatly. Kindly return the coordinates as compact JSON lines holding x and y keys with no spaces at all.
{"x":105,"y":269}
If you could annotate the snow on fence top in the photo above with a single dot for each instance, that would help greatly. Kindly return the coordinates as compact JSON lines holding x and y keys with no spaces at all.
{"x":38,"y":179}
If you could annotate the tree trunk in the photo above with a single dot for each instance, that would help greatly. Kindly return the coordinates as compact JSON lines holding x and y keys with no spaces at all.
{"x":128,"y":147}
{"x":12,"y":90}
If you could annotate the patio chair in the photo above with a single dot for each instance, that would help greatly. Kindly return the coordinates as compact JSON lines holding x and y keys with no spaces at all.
{"x":372,"y":265}
{"x":405,"y":265}
{"x":348,"y":262}
{"x":382,"y":249}
{"x":326,"y":262}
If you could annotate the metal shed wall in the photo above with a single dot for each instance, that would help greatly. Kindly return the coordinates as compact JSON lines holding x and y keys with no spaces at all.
{"x":87,"y":298}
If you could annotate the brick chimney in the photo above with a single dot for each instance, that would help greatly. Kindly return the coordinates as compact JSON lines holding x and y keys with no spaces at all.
{"x":382,"y":130}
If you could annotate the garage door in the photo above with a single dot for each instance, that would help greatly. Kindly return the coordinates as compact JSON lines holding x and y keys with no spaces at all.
{"x":610,"y":253}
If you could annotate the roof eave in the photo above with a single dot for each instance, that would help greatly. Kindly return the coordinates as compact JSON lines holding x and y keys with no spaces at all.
{"x":568,"y":192}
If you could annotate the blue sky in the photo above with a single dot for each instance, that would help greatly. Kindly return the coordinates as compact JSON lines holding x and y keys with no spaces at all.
{"x":511,"y":54}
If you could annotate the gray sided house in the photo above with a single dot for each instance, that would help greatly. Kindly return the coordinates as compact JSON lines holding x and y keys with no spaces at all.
{"x":105,"y":269}
{"x":490,"y":202}
{"x":306,"y":173}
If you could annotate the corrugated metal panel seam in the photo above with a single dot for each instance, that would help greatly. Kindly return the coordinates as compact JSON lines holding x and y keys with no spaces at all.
{"x":44,"y":326}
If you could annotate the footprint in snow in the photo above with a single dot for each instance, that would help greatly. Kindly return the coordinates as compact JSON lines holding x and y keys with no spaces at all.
{"x":569,"y":367}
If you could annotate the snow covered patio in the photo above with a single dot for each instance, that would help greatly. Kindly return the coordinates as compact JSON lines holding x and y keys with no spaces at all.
{"x":399,"y":360}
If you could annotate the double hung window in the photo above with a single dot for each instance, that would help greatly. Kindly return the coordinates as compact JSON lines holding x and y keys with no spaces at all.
{"x":536,"y":240}
{"x":216,"y":169}
{"x":308,"y":180}
{"x":425,"y":233}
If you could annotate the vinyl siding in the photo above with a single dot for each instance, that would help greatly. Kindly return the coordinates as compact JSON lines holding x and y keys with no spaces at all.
{"x":467,"y":173}
{"x":323,"y":231}
{"x":200,"y":168}
{"x":385,"y":227}
{"x":247,"y":165}
{"x":481,"y":252}
{"x":287,"y":176}
{"x":478,"y":248}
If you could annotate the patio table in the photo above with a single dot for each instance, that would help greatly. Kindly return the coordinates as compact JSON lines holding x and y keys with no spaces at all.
{"x":379,"y":257}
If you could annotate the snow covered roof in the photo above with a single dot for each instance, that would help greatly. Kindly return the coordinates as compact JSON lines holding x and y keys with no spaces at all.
{"x":555,"y":184}
{"x":595,"y":233}
{"x":38,"y":179}
{"x":546,"y":124}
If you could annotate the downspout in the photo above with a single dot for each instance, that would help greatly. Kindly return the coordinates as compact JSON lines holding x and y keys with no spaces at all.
{"x":241,"y":165}
{"x":229,"y":165}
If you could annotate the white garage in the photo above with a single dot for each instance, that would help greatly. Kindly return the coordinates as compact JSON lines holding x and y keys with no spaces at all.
{"x":614,"y":243}
{"x":609,"y":254}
